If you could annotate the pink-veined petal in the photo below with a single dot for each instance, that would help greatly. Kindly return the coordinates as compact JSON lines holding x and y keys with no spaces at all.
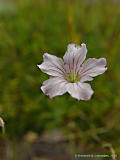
{"x":54,"y":86}
{"x":80,"y":91}
{"x":74,"y":57}
{"x":86,"y":78}
{"x":52,"y":65}
{"x":91,"y":68}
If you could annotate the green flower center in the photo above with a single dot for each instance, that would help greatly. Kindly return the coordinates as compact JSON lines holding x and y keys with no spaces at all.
{"x":72,"y":78}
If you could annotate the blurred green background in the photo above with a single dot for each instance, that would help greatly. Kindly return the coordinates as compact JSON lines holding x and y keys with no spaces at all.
{"x":30,"y":28}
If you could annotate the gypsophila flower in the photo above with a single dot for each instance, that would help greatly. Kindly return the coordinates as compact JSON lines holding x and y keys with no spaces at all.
{"x":1,"y":123}
{"x":2,"y":126}
{"x":69,"y":74}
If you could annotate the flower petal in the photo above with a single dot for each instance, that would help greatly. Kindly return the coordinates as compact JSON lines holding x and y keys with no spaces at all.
{"x":91,"y":68}
{"x":86,"y":78}
{"x":52,"y":65}
{"x":80,"y":91}
{"x":74,"y":57}
{"x":54,"y":86}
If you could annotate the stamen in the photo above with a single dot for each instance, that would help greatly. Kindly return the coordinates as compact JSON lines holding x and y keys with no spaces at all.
{"x":73,"y":78}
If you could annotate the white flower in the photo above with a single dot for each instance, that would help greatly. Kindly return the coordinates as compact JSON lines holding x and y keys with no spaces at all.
{"x":69,"y":75}
{"x":1,"y":123}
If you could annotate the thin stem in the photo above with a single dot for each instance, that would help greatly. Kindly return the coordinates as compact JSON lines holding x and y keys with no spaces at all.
{"x":69,"y":9}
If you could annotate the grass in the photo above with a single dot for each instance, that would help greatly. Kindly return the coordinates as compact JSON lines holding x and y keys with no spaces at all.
{"x":31,"y":28}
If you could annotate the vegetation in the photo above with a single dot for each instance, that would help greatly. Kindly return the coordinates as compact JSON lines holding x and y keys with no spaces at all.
{"x":30,"y":28}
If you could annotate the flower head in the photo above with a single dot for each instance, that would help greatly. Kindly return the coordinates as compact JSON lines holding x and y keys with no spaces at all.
{"x":1,"y":123}
{"x":2,"y":126}
{"x":69,"y":74}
